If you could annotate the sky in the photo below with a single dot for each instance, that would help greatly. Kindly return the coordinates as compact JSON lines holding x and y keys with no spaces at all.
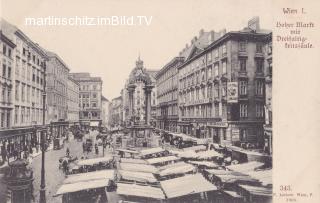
{"x":111,"y":51}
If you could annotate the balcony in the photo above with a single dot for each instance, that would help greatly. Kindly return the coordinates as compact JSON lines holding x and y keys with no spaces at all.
{"x":259,"y":74}
{"x":243,"y":97}
{"x":242,"y":74}
{"x":268,"y":78}
{"x":259,"y":55}
{"x":216,"y":80}
{"x":224,"y":77}
{"x":243,"y":53}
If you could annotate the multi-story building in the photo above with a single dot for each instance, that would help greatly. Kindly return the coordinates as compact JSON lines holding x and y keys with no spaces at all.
{"x":221,"y":88}
{"x":57,"y":88}
{"x":167,"y":81}
{"x":6,"y":80}
{"x":27,"y":72}
{"x":268,"y":91}
{"x":116,"y":112}
{"x":105,"y":112}
{"x":73,"y":100}
{"x":89,"y":98}
{"x":139,"y":98}
{"x":167,"y":95}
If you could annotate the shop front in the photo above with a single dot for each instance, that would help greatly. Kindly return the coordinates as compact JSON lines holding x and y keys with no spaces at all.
{"x":268,"y":139}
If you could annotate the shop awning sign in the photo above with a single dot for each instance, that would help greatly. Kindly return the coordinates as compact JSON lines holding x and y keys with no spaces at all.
{"x":232,"y":92}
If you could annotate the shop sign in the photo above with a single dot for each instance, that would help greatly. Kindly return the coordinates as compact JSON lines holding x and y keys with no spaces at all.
{"x":232,"y":92}
{"x":220,"y":125}
{"x":235,"y":135}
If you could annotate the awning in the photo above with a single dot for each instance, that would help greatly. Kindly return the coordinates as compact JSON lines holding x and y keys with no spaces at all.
{"x":245,"y":167}
{"x":140,"y":191}
{"x":195,"y":148}
{"x":188,"y":154}
{"x":162,"y":159}
{"x":151,"y":151}
{"x":96,"y":175}
{"x":127,"y":151}
{"x":94,"y":123}
{"x":133,"y":161}
{"x":231,"y":193}
{"x":137,"y":176}
{"x":208,"y":154}
{"x":79,"y":186}
{"x":186,"y":185}
{"x":90,"y":162}
{"x":178,"y":168}
{"x":258,"y":191}
{"x":204,"y":163}
{"x":264,"y":176}
{"x":138,"y":167}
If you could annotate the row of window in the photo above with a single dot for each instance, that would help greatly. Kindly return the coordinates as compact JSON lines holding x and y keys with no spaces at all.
{"x":219,"y":110}
{"x":87,"y":105}
{"x":27,"y":93}
{"x":171,"y":96}
{"x":216,"y":90}
{"x":89,"y":87}
{"x":6,"y":69}
{"x":7,"y":51}
{"x":26,"y":115}
{"x":5,"y":94}
{"x":29,"y":73}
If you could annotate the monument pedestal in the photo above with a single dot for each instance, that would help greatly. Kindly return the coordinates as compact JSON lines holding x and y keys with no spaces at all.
{"x":142,"y":136}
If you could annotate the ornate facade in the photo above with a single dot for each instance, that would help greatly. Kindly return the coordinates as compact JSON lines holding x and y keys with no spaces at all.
{"x":140,"y":89}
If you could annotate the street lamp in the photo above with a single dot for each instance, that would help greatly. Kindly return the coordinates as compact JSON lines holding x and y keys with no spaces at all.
{"x":43,"y":140}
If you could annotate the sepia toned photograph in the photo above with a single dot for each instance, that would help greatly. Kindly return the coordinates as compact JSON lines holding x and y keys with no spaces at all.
{"x":138,"y":101}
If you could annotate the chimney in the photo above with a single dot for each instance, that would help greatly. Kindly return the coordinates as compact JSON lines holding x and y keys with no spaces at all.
{"x":211,"y":36}
{"x":201,"y":32}
{"x":254,"y":23}
{"x":223,"y":32}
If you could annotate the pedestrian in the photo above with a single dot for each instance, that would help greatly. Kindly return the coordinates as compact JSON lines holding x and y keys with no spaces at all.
{"x":68,"y":151}
{"x":96,"y":148}
{"x":84,"y":147}
{"x":65,"y":165}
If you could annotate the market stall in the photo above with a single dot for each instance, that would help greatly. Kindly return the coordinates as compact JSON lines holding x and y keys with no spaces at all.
{"x":140,"y":193}
{"x":182,"y":188}
{"x":138,"y":167}
{"x":133,"y":161}
{"x":176,"y":169}
{"x":135,"y":176}
{"x":153,"y":152}
{"x":245,"y":167}
{"x":160,"y":161}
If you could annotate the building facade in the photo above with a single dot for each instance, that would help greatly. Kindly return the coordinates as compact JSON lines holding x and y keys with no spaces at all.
{"x":73,"y":100}
{"x":89,"y":98}
{"x":116,"y":112}
{"x":6,"y":80}
{"x":167,"y":95}
{"x":221,"y":88}
{"x":57,"y":88}
{"x":26,"y":68}
{"x":268,"y":91}
{"x":105,"y":112}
